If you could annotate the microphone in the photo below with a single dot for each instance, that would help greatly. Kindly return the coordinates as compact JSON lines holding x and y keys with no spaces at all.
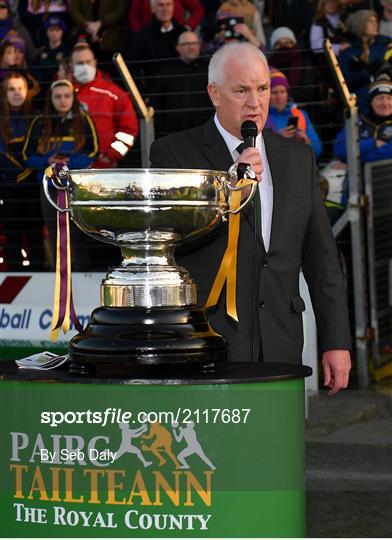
{"x":249,"y":133}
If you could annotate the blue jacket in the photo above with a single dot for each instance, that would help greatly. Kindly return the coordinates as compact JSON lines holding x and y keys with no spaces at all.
{"x":369,"y":132}
{"x":64,"y":145}
{"x":358,"y":75}
{"x":278,"y":121}
{"x":12,"y":166}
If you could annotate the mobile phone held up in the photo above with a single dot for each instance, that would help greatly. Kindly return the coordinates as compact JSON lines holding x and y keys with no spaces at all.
{"x":292,"y":122}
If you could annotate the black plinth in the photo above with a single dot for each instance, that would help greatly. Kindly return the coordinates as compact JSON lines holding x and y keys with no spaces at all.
{"x":128,"y":342}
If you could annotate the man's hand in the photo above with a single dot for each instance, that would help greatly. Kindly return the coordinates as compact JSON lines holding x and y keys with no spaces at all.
{"x":336,"y":367}
{"x":92,"y":28}
{"x":252,"y":156}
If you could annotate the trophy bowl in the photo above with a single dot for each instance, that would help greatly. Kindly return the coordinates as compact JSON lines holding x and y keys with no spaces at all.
{"x":124,"y":206}
{"x":148,"y":313}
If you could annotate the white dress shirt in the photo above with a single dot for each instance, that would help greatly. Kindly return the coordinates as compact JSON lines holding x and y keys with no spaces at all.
{"x":265,"y":186}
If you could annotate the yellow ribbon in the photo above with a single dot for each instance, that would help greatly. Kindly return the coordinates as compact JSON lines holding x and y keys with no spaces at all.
{"x":228,"y":268}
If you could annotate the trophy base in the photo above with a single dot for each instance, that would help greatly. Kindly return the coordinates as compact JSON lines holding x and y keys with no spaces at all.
{"x":156,"y":342}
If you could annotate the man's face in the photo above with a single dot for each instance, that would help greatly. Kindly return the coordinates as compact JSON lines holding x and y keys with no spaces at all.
{"x":188,"y":46}
{"x":382,"y":105}
{"x":244,"y":93}
{"x":164,"y":10}
{"x":83,"y":56}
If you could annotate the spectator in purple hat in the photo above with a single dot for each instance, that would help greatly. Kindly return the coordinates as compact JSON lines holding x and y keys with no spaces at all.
{"x":50,"y":55}
{"x":20,"y":48}
{"x":7,"y":57}
{"x":12,"y":50}
{"x":38,"y":11}
{"x":285,"y":118}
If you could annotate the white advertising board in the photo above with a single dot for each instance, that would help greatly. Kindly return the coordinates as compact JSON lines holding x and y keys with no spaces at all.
{"x":26,"y":305}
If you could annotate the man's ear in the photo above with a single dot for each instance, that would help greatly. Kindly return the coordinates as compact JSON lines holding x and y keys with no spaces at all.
{"x":213,"y":92}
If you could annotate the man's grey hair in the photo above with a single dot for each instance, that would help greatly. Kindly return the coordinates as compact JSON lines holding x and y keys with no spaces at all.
{"x":226,"y":52}
{"x":153,"y":4}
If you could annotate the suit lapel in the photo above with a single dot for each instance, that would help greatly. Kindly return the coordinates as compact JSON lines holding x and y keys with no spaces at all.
{"x":278,"y":168}
{"x":214,"y":147}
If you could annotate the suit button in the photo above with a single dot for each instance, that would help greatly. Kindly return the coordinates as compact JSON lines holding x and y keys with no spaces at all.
{"x":262,"y":303}
{"x":265,"y":264}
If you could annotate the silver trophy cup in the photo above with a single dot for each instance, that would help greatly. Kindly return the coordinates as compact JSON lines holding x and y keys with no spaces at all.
{"x":146,"y":212}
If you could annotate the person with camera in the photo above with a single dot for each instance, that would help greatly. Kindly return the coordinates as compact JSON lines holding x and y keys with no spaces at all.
{"x":62,"y":134}
{"x":286,"y":119}
{"x":228,"y":28}
{"x":247,"y":11}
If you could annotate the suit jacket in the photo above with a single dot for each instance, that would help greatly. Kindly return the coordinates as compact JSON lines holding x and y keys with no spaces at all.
{"x":268,"y":302}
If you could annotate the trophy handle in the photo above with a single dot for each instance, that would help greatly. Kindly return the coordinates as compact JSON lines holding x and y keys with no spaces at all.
{"x":246,"y":201}
{"x":237,"y":171}
{"x":47,"y":193}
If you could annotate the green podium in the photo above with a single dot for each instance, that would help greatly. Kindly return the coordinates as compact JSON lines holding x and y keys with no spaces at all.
{"x":213,"y":455}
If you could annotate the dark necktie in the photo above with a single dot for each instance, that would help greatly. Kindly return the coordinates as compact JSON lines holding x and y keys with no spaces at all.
{"x":256,"y":200}
{"x":240,"y":148}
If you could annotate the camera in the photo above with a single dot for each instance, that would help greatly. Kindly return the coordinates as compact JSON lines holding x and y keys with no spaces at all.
{"x":227,"y":24}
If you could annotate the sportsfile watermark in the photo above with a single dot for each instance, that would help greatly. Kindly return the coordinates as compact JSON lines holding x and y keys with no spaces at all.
{"x":181,"y":415}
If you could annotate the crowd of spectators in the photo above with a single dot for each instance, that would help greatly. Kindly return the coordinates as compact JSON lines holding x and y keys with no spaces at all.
{"x":58,"y":105}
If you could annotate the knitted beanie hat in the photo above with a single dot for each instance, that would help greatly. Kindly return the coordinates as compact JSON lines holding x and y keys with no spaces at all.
{"x":382,"y":86}
{"x":278,"y":79}
{"x":356,"y":22}
{"x":14,"y":39}
{"x":55,"y":21}
{"x":282,"y":32}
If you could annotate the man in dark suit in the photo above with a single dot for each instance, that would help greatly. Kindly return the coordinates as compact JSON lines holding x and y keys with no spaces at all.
{"x":283,"y":229}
